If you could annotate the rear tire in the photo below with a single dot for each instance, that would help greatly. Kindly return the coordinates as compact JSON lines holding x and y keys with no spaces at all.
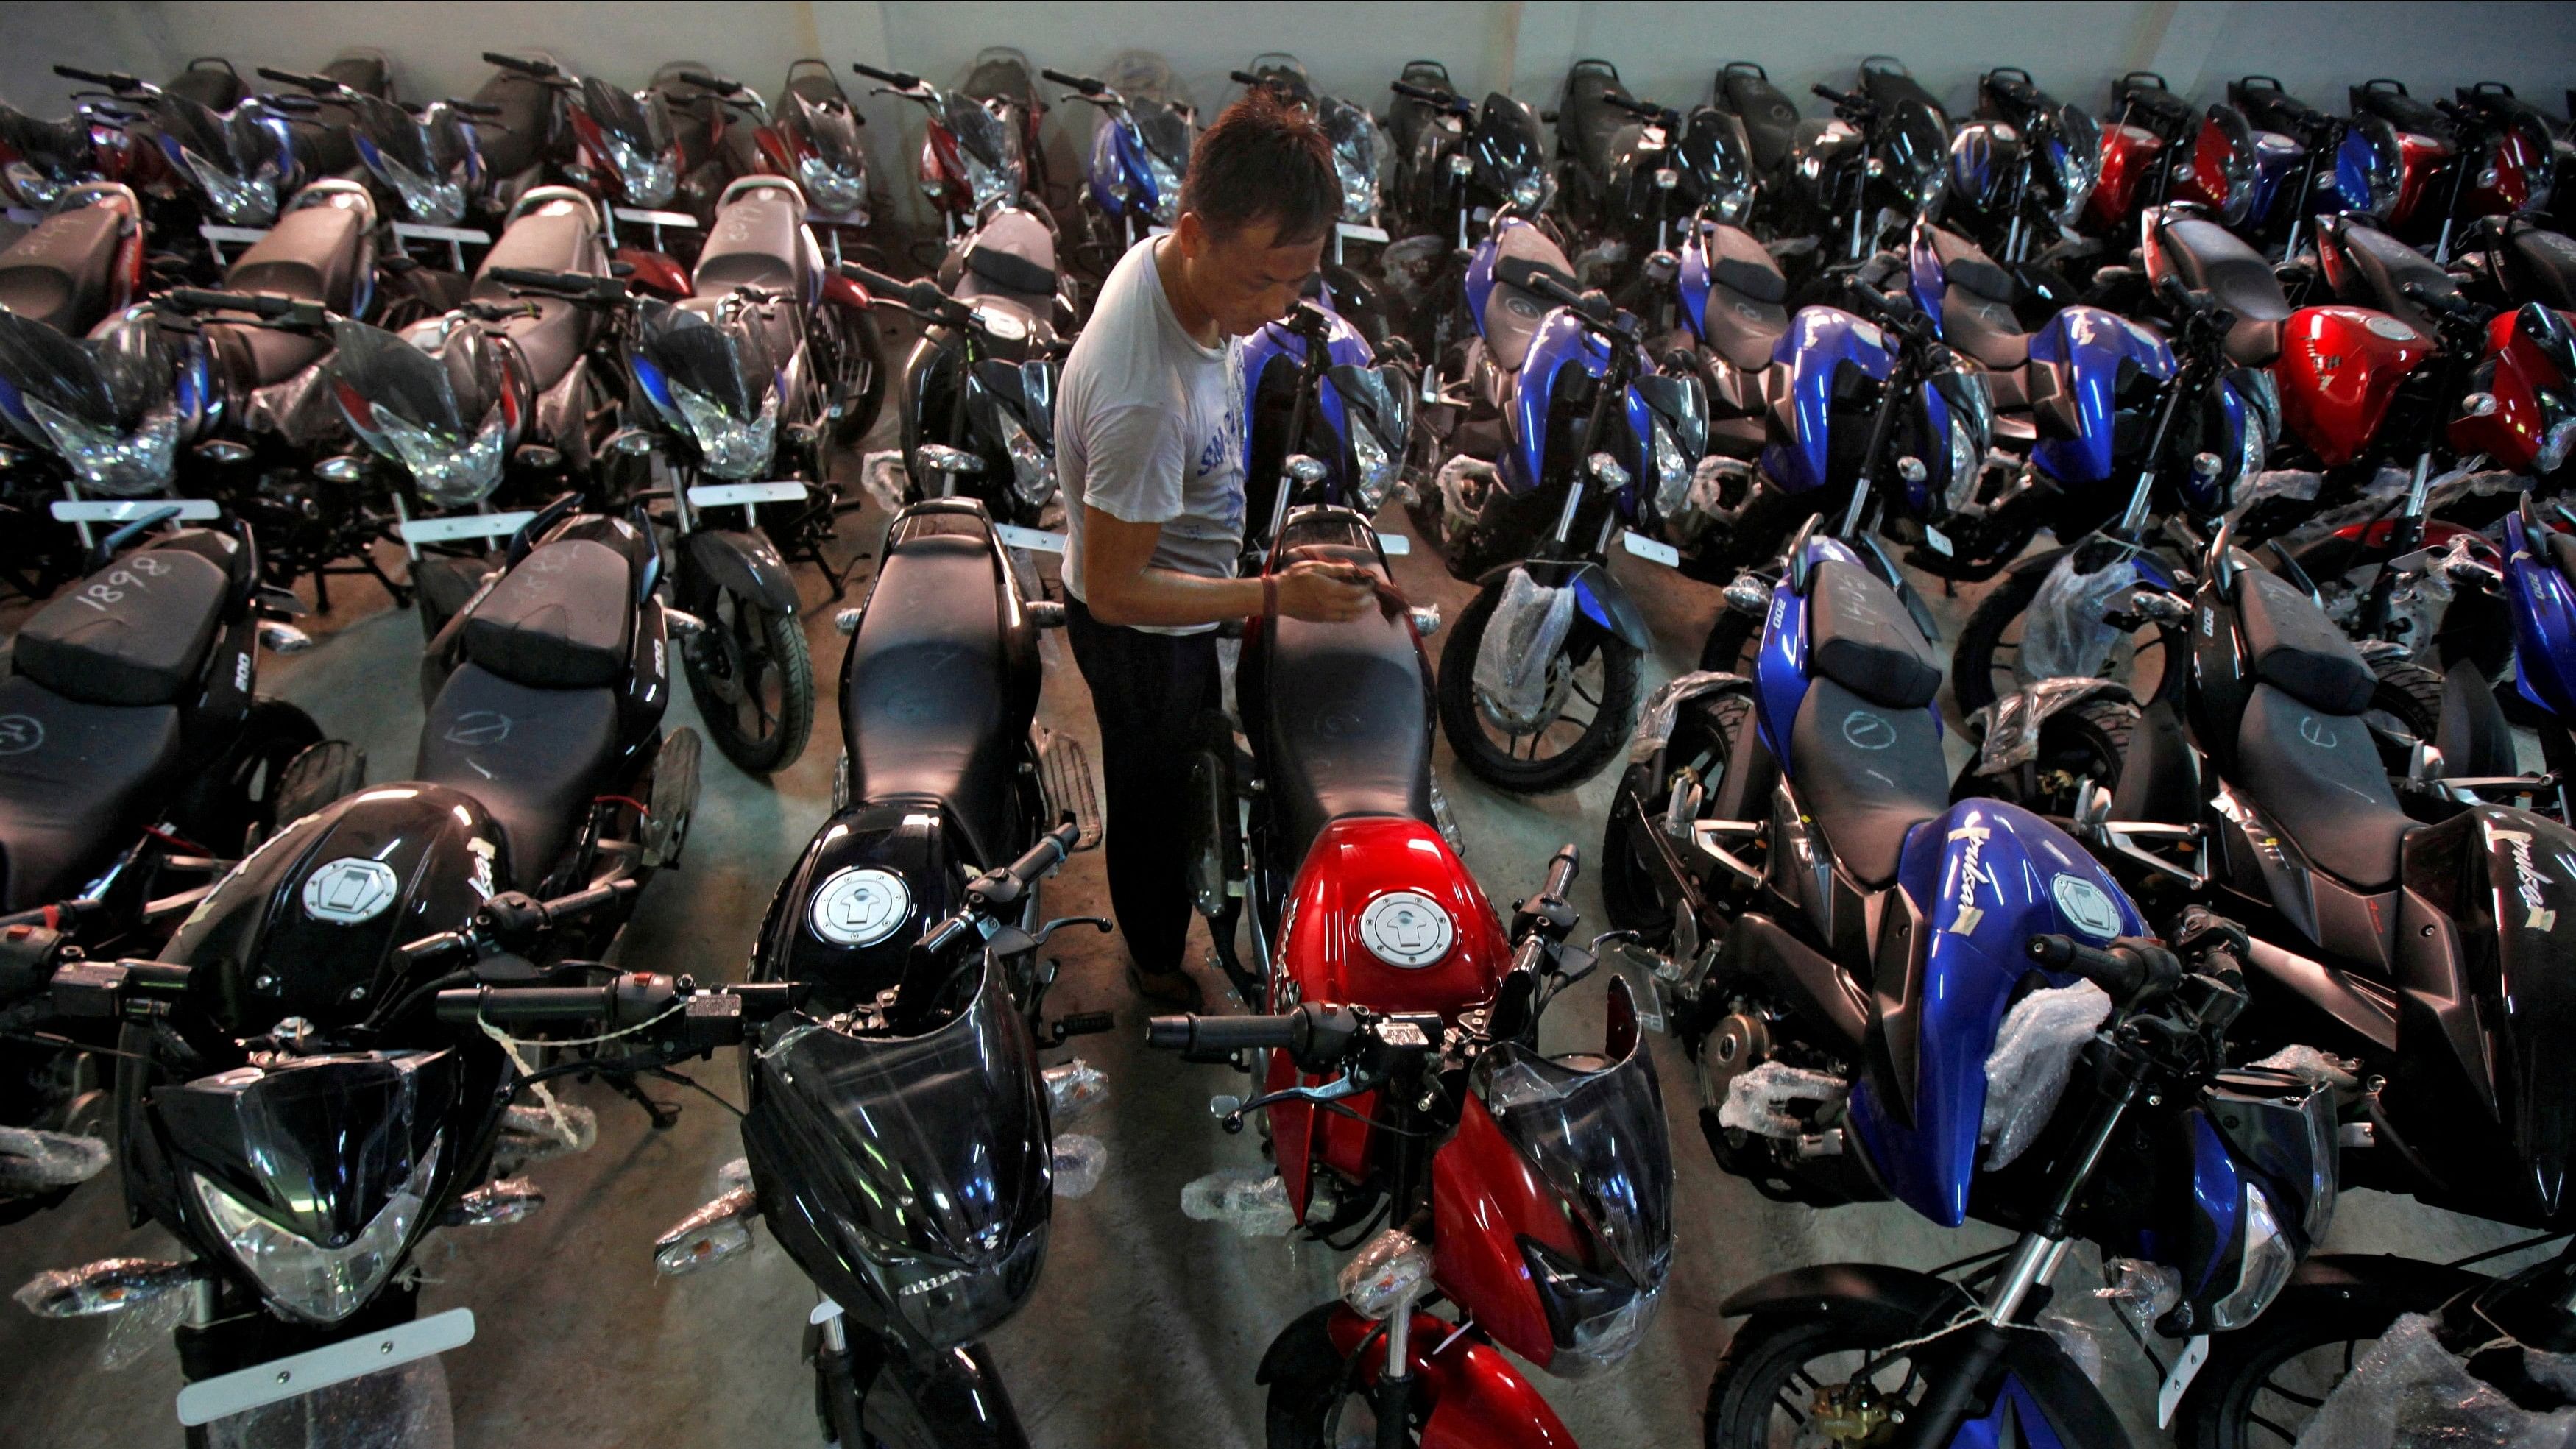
{"x":1715,"y":728}
{"x":2088,"y":740}
{"x":2409,"y":693}
{"x":858,"y":379}
{"x":1498,"y":763}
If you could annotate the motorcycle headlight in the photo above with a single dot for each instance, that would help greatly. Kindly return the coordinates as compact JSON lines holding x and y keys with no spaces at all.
{"x":2250,"y":453}
{"x":1672,"y":473}
{"x":1032,"y":467}
{"x":1376,"y":468}
{"x":990,"y":184}
{"x":1167,"y":188}
{"x":121,"y":465}
{"x":729,"y":447}
{"x":1963,"y":468}
{"x":1529,"y":191}
{"x":439,"y":201}
{"x":240,"y":200}
{"x":1595,"y":1320}
{"x":833,"y":191}
{"x":318,"y":1283}
{"x":2555,"y":444}
{"x":1359,"y":185}
{"x":648,"y":180}
{"x":2262,"y":1271}
{"x":32,"y":186}
{"x":452,"y":472}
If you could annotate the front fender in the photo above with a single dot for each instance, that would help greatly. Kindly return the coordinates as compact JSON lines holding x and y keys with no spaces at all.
{"x":1598,"y":595}
{"x":745,"y":565}
{"x":1879,"y":1297}
{"x":1472,"y":1395}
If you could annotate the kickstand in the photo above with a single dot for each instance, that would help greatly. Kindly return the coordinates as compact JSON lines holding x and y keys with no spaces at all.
{"x":663,"y":1113}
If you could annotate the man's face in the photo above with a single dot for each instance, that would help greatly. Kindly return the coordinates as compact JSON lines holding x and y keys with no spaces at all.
{"x":1245,"y":281}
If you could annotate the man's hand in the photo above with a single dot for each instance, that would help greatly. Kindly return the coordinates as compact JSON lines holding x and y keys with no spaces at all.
{"x":1326,"y":592}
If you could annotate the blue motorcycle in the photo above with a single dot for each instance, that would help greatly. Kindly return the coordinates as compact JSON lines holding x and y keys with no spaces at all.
{"x":2540,"y":591}
{"x":1590,"y":446}
{"x":1860,"y":969}
{"x":1325,"y":422}
{"x":1132,"y":184}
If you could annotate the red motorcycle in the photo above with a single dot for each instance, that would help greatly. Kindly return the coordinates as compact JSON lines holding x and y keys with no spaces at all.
{"x":1527,"y":1198}
{"x":974,"y":153}
{"x":620,"y":149}
{"x":2161,"y":149}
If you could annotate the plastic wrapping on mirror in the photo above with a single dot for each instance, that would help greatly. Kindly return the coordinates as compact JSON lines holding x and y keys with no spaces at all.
{"x":2309,"y":1064}
{"x":32,"y":1160}
{"x":2034,"y":1053}
{"x":2009,"y":728}
{"x":1251,"y":1200}
{"x":1758,"y":1101}
{"x":2409,"y":1391}
{"x":1080,"y":1161}
{"x":1655,"y":721}
{"x":1522,"y":637}
{"x":1074,"y":1087}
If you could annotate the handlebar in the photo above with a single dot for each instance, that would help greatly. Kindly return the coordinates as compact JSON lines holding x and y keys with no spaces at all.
{"x":1646,"y":109}
{"x":117,"y":81}
{"x":922,"y":298}
{"x":512,"y":917}
{"x":900,"y":80}
{"x":541,"y":69}
{"x":470,"y":108}
{"x":2125,"y":971}
{"x":706,"y":82}
{"x":1591,"y":306}
{"x":1083,"y":83}
{"x":1446,"y":100}
{"x":318,"y":84}
{"x":1007,"y":884}
{"x":704,"y":1017}
{"x":571,"y":286}
{"x":1318,"y":1035}
{"x":1842,"y":100}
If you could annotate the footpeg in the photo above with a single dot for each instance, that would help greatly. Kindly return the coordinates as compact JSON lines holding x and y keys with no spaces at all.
{"x":1064,"y":774}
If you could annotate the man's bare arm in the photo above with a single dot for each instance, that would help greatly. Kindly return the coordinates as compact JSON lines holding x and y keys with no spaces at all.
{"x":1120,"y":584}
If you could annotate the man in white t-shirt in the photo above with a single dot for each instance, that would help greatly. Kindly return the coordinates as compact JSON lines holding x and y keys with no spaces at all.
{"x":1149,"y":440}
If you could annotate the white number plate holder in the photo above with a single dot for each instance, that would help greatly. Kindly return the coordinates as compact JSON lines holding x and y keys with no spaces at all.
{"x":729,"y":495}
{"x":298,"y":1374}
{"x":1014,"y":536}
{"x":654,"y":218}
{"x":1651,"y":550}
{"x":465,"y":525}
{"x":1353,"y":231}
{"x":423,"y":231}
{"x":126,"y":510}
{"x":1393,"y":545}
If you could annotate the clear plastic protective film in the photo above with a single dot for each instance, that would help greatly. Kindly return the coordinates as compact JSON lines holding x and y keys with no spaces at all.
{"x":1521,"y":640}
{"x":2034,"y":1054}
{"x":2408,"y":1391}
{"x":400,"y":1408}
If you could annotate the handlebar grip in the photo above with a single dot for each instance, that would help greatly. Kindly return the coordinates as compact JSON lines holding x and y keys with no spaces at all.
{"x":1082,"y":83}
{"x":1562,"y":869}
{"x":305,"y":79}
{"x":900,"y":80}
{"x":1840,"y":98}
{"x":503,"y":1006}
{"x":524,"y":67}
{"x":1050,"y":851}
{"x":1246,"y":78}
{"x":199,"y":299}
{"x":877,"y":283}
{"x":1218,"y":1035}
{"x":1419,"y":93}
{"x":706,"y":82}
{"x":113,"y":80}
{"x":2122,"y":972}
{"x":472,"y":108}
{"x":539,"y":279}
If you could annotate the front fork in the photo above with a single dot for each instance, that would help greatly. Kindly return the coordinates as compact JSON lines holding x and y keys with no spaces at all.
{"x":1394,"y":1402}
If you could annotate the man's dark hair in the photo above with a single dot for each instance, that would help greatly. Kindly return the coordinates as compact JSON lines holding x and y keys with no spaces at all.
{"x":1264,"y":160}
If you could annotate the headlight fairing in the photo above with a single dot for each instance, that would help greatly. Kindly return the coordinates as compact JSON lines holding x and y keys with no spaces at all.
{"x":2266,"y":1265}
{"x":319,"y":1282}
{"x":240,"y":200}
{"x":438,"y":201}
{"x":1032,"y":466}
{"x":1357,"y":173}
{"x":833,"y":192}
{"x":989,"y":185}
{"x":728,"y":447}
{"x":1529,"y":192}
{"x":1963,"y":469}
{"x":647,"y":180}
{"x":1596,"y":1320}
{"x":1374,"y":471}
{"x":119,"y":464}
{"x":32,"y":187}
{"x":1672,"y":472}
{"x":1167,"y":188}
{"x":452,"y":472}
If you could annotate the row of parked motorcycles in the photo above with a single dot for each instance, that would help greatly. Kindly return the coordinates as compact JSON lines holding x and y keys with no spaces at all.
{"x":2217,"y":921}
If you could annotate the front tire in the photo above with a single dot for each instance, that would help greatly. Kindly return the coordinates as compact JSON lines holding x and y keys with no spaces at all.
{"x":2260,"y":1382}
{"x":1313,"y":1403}
{"x":753,"y":677}
{"x":1780,"y":1363}
{"x":1565,"y":746}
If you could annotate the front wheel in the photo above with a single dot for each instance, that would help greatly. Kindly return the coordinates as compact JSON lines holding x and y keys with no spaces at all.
{"x":1579,"y":720}
{"x":1315,"y":1403}
{"x":1806,"y":1380}
{"x":2262,"y":1384}
{"x":753,"y":678}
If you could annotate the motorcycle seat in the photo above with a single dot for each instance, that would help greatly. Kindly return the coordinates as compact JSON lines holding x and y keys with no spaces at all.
{"x":927,"y":682}
{"x":2208,"y":257}
{"x":1739,"y":263}
{"x":560,"y":620}
{"x":134,"y":634}
{"x":2317,"y":774}
{"x":1348,"y":722}
{"x":534,"y":756}
{"x":2292,"y":645}
{"x":558,"y":237}
{"x":209,"y":82}
{"x":1860,"y":636}
{"x":1770,"y":118}
{"x":1867,"y":773}
{"x":758,"y":240}
{"x":1965,"y":264}
{"x":1587,"y":122}
{"x":1012,"y":257}
{"x":1512,"y":314}
{"x":1742,"y":329}
{"x":1984,"y":329}
{"x":57,"y":274}
{"x":311,"y":255}
{"x":2546,"y":261}
{"x":2384,"y":267}
{"x":76,"y":779}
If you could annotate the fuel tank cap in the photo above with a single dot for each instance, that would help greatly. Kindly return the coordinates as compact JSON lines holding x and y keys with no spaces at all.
{"x":859,"y":906}
{"x":1406,"y":928}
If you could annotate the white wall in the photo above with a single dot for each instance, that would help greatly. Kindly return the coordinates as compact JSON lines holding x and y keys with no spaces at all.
{"x":1667,"y":51}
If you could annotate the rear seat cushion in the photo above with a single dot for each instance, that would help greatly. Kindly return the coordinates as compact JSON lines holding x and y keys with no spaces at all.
{"x":1738,"y":262}
{"x":135,"y":633}
{"x":1015,"y":252}
{"x":2291,"y":644}
{"x":1861,"y":637}
{"x":74,"y":780}
{"x":558,"y":620}
{"x":1966,"y":265}
{"x":534,"y":757}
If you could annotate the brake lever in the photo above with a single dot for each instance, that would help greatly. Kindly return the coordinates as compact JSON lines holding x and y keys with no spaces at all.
{"x":1350,"y":1084}
{"x":1097,"y":923}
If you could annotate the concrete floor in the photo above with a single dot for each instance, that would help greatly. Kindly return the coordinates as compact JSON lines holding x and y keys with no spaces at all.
{"x":1146,"y":1326}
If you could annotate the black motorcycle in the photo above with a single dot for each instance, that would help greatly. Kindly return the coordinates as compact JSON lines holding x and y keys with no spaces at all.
{"x":1635,"y":173}
{"x":426,"y":160}
{"x":978,"y":403}
{"x":2022,"y":170}
{"x":1882,"y":159}
{"x":906,"y":1095}
{"x":289,"y":1105}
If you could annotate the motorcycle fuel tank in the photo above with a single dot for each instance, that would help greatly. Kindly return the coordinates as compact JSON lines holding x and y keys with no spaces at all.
{"x":2338,"y":368}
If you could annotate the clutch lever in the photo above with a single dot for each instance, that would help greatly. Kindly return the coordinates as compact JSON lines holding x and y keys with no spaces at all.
{"x":1350,"y":1084}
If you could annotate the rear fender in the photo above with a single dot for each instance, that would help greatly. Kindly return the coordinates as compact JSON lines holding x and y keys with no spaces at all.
{"x":745,"y":565}
{"x":1598,"y":595}
{"x":1473,"y":1398}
